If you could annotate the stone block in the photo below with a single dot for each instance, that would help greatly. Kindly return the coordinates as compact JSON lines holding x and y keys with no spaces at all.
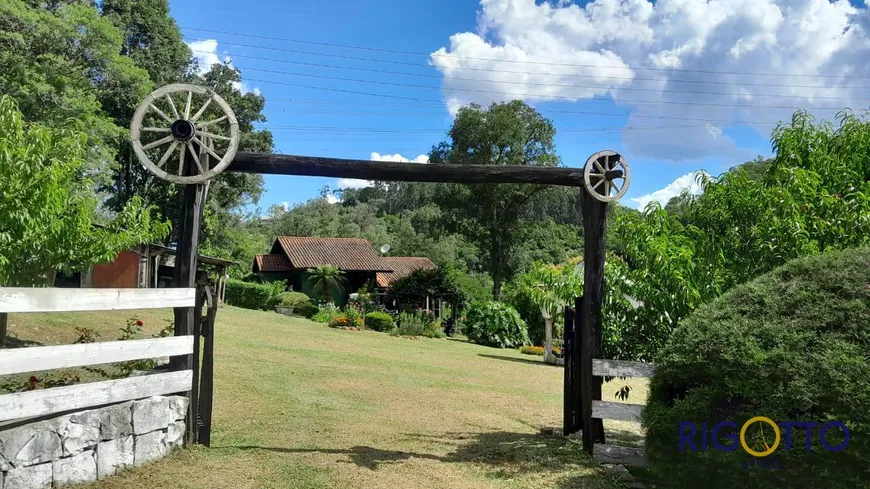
{"x":150,"y":414}
{"x":33,"y":477}
{"x":149,"y":447}
{"x":116,"y":421}
{"x":75,"y":469}
{"x":178,"y":407}
{"x":78,"y":437}
{"x":30,"y":444}
{"x":114,"y":455}
{"x":175,"y":434}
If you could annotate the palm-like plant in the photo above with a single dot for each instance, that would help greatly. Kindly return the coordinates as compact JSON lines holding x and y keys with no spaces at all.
{"x":326,"y":280}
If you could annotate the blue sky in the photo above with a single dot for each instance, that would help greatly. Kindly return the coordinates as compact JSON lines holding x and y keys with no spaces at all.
{"x":674,"y":86}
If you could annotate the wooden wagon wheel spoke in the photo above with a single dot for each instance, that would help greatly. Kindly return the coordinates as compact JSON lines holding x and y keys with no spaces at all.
{"x":172,"y":105}
{"x":187,"y":105}
{"x":161,"y":114}
{"x":155,"y":129}
{"x":213,"y":121}
{"x":201,"y":110}
{"x":600,"y":181}
{"x":167,"y":154}
{"x":206,"y":148}
{"x":196,"y":160}
{"x":181,"y":159}
{"x":598,"y":167}
{"x":213,"y":136}
{"x":159,"y":142}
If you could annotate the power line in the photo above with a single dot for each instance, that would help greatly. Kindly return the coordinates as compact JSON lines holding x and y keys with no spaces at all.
{"x":604,"y":114}
{"x":525,"y":95}
{"x":407,"y":130}
{"x":490,"y":70}
{"x":445,"y":77}
{"x":576,"y":65}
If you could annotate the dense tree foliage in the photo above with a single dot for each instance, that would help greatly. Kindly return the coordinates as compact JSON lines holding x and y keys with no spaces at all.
{"x":491,"y":215}
{"x":47,"y":215}
{"x":813,"y":196}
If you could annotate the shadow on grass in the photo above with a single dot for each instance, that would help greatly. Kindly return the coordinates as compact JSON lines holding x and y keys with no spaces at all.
{"x":13,"y":342}
{"x":519,"y":360}
{"x":502,"y":455}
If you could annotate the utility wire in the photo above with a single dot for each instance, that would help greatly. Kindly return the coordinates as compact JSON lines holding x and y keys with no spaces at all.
{"x":577,"y":65}
{"x":524,"y":95}
{"x":490,"y":70}
{"x":506,"y":82}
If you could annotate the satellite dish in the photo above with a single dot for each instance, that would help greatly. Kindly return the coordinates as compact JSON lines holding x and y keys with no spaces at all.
{"x":385,"y":248}
{"x":601,"y":172}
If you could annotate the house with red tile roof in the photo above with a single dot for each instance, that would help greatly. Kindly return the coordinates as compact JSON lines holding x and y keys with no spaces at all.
{"x":292,"y":256}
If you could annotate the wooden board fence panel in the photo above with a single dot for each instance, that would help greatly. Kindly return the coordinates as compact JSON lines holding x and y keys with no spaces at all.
{"x":613,"y":454}
{"x":621,"y":368}
{"x":20,"y":360}
{"x":617,"y":410}
{"x":59,"y":399}
{"x":27,"y":299}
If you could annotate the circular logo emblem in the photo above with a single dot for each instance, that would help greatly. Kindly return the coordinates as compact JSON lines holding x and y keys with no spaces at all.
{"x":768,"y":449}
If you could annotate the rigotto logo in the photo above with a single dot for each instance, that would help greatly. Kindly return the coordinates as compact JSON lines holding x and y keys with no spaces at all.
{"x":760,"y":436}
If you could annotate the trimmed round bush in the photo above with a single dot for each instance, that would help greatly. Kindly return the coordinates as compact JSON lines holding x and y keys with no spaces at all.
{"x":495,"y":324}
{"x":792,"y":346}
{"x":379,"y":321}
{"x":307,"y":310}
{"x":294,"y":299}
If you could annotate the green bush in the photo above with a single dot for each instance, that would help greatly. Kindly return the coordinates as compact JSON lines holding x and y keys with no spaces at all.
{"x":495,"y":324}
{"x":520,"y":298}
{"x":254,"y":296}
{"x":294,"y":299}
{"x":379,"y":321}
{"x":307,"y":310}
{"x":417,"y":324}
{"x":790,"y":345}
{"x":325,"y":313}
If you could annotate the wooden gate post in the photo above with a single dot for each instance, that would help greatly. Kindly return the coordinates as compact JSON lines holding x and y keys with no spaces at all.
{"x":589,"y":313}
{"x":571,"y":392}
{"x":4,"y":320}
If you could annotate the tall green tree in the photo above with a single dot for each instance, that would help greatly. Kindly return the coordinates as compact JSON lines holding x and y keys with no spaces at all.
{"x":47,"y":218}
{"x":491,"y":215}
{"x":59,"y":60}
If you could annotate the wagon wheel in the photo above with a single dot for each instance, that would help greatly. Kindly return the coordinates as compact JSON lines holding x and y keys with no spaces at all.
{"x":193,"y":121}
{"x":601,"y":174}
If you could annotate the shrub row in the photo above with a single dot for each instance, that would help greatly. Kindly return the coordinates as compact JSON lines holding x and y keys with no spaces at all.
{"x":252,"y":295}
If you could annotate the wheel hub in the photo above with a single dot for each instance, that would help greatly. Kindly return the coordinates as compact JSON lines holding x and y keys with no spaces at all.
{"x":182,"y":130}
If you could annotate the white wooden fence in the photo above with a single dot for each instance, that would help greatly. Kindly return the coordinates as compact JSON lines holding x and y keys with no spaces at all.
{"x":59,"y":399}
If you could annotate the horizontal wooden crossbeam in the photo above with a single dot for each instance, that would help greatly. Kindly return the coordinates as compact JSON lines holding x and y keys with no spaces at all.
{"x":614,"y":454}
{"x":276,"y":164}
{"x":617,"y":410}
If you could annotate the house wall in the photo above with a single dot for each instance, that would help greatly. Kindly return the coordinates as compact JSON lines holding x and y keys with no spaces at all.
{"x":123,"y":272}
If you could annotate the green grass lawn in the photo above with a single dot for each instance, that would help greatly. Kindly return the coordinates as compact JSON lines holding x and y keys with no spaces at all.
{"x":300,"y":405}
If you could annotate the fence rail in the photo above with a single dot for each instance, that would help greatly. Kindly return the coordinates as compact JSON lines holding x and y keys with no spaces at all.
{"x":25,"y":299}
{"x":60,"y":399}
{"x":619,"y":411}
{"x":71,"y":397}
{"x":39,"y":358}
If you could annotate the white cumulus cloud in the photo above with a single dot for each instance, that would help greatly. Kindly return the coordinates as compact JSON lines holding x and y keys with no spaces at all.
{"x":673,"y":189}
{"x":648,"y":57}
{"x":206,"y":53}
{"x":396,"y":157}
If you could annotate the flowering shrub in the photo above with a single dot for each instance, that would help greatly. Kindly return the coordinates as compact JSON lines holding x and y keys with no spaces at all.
{"x":417,"y":324}
{"x":345,"y":321}
{"x":532,"y":350}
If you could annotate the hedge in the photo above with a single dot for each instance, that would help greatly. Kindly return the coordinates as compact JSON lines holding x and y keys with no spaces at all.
{"x":252,"y":295}
{"x":791,"y":346}
{"x":495,"y":324}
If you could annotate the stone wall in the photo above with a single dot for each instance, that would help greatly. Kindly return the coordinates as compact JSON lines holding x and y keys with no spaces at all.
{"x":90,"y":445}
